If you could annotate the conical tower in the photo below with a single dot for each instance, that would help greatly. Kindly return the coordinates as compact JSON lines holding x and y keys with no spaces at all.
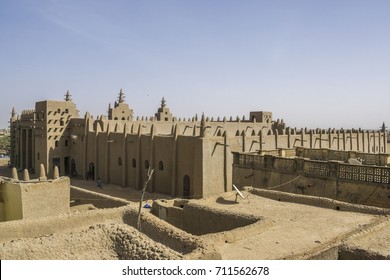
{"x":68,"y":96}
{"x":121,"y":97}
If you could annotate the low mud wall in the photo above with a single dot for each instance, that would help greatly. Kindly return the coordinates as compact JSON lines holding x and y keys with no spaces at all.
{"x":79,"y":196}
{"x":186,"y":245}
{"x":318,"y":201}
{"x":201,"y":219}
{"x":65,"y":223}
{"x":351,"y":191}
{"x":171,"y":211}
{"x":348,"y":253}
{"x":176,"y":239}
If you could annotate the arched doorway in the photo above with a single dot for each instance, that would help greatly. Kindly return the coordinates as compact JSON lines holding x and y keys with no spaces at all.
{"x":186,"y":186}
{"x":91,"y":171}
{"x":73,"y":171}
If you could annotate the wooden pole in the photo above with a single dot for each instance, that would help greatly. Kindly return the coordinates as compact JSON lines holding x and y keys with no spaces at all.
{"x":150,"y":173}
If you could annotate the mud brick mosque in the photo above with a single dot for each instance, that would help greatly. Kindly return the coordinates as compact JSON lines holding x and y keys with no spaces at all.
{"x":192,"y":158}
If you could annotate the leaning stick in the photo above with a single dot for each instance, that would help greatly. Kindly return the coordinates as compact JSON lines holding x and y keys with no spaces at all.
{"x":150,"y":173}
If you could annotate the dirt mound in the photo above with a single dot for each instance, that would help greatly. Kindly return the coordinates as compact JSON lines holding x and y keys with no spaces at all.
{"x":98,"y":242}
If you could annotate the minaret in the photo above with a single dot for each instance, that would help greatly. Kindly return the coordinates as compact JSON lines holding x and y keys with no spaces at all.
{"x":13,"y":114}
{"x":163,"y":113}
{"x":68,"y":96}
{"x":121,"y":97}
{"x":109,"y":111}
{"x":203,"y":126}
{"x":383,"y":127}
{"x":121,"y":110}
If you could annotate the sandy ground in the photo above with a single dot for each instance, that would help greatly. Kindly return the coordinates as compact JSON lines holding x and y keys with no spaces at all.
{"x":297,"y":229}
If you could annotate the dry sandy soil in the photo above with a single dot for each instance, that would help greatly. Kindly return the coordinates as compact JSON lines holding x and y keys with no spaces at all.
{"x":299,"y":231}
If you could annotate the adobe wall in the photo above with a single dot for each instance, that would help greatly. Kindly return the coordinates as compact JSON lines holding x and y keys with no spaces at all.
{"x":163,"y":164}
{"x":328,"y":154}
{"x":201,"y":219}
{"x":11,"y":197}
{"x":189,"y":163}
{"x":318,"y":201}
{"x":374,"y":194}
{"x":33,"y":199}
{"x":13,"y":230}
{"x":169,"y":211}
{"x":133,"y":163}
{"x":116,"y":160}
{"x":122,"y":159}
{"x":45,"y":198}
{"x":217,"y":166}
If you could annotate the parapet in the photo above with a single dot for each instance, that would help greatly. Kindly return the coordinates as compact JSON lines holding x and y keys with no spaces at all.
{"x":33,"y":198}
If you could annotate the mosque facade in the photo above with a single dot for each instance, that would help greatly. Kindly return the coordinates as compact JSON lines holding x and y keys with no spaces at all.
{"x":191,"y":158}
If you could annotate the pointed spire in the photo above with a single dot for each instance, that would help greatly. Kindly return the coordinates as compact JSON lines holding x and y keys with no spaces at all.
{"x":68,"y":96}
{"x":202,"y":125}
{"x":42,"y":173}
{"x":56,"y":172}
{"x":121,"y":97}
{"x":383,"y":127}
{"x":26,"y":176}
{"x":163,"y":103}
{"x":13,"y":113}
{"x":15,"y":174}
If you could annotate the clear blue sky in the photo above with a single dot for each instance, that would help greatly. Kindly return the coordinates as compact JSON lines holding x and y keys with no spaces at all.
{"x":312,"y":63}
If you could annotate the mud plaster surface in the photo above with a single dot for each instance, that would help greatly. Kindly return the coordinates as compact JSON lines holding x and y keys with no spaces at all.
{"x":98,"y":242}
{"x":297,"y":229}
{"x":294,"y":232}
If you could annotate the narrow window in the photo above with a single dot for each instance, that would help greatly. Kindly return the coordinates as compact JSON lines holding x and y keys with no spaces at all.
{"x":134,"y":163}
{"x":119,"y":161}
{"x":160,"y":166}
{"x":146,"y":164}
{"x":66,"y":143}
{"x":56,"y":143}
